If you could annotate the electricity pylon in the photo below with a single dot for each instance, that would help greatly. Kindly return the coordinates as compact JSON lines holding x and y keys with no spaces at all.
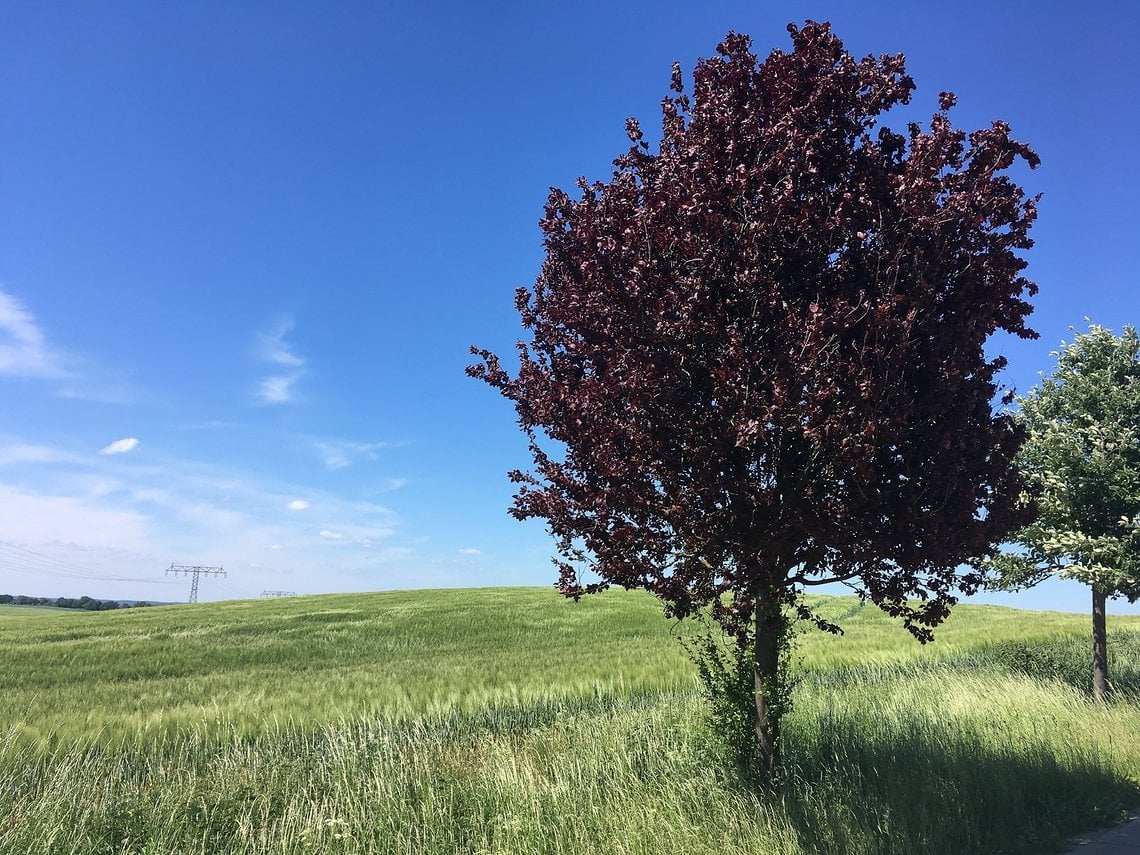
{"x":194,"y":572}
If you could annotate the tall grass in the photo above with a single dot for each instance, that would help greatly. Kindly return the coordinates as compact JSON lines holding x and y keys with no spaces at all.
{"x":540,"y":733}
{"x":150,"y":673}
{"x":934,"y":761}
{"x":155,"y":672}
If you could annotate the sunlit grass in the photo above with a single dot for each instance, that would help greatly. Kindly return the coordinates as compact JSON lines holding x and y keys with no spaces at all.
{"x":394,"y":655}
{"x":511,"y":721}
{"x":318,"y":659}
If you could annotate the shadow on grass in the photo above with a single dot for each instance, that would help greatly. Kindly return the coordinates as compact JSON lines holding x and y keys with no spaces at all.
{"x":911,"y":789}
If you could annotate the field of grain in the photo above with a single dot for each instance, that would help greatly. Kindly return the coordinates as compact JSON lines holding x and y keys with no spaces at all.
{"x":511,"y":721}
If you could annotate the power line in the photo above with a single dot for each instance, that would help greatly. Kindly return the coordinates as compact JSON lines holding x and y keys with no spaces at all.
{"x":42,"y":571}
{"x":23,"y":554}
{"x":20,"y":560}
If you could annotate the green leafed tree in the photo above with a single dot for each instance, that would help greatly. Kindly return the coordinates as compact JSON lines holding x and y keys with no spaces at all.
{"x":1082,"y":467}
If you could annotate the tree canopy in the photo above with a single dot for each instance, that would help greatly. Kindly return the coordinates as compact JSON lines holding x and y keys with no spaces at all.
{"x":1082,"y":466}
{"x":755,"y":356}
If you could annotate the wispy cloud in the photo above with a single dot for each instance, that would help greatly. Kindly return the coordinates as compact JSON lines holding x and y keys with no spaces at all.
{"x":211,"y":424}
{"x":339,"y":454}
{"x":272,"y":348}
{"x":100,"y":385}
{"x":121,"y":446}
{"x":163,"y":509}
{"x":24,"y":351}
{"x":470,"y":551}
{"x":73,"y":522}
{"x":278,"y":389}
{"x":22,"y":452}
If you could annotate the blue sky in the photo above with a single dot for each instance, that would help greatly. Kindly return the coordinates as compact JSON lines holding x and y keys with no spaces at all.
{"x":244,"y":248}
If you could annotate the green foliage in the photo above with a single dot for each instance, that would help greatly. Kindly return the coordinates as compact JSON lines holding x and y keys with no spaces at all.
{"x":1082,"y":467}
{"x":1066,"y":658}
{"x":724,"y":668}
{"x":83,"y":603}
{"x":727,"y":678}
{"x":724,"y":665}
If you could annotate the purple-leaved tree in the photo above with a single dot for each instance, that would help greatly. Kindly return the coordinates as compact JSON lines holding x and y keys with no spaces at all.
{"x":759,"y":353}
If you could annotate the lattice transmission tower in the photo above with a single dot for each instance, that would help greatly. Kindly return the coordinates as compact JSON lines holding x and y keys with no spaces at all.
{"x":278,"y":593}
{"x":194,"y":572}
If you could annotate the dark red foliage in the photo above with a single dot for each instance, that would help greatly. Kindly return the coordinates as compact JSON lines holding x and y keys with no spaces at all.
{"x":762,"y":347}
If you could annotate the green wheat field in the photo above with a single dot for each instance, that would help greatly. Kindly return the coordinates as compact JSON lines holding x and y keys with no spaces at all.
{"x":513,"y":721}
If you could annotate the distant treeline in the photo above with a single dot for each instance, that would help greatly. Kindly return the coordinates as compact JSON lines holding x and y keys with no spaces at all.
{"x":84,"y":603}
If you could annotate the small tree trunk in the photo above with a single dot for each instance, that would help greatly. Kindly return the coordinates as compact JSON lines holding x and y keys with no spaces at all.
{"x":1100,"y":649}
{"x":766,"y":673}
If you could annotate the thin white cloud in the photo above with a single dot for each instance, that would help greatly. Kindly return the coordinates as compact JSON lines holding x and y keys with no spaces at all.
{"x":279,"y":388}
{"x":26,"y":453}
{"x":297,"y":505}
{"x":24,"y":351}
{"x":340,"y":454}
{"x":271,"y":347}
{"x":97,"y":385}
{"x":470,"y":551}
{"x":331,"y":535}
{"x":333,"y":458}
{"x":121,"y":446}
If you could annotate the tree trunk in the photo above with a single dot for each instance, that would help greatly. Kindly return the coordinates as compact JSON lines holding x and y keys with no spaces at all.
{"x":766,"y":675}
{"x":1100,"y":649}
